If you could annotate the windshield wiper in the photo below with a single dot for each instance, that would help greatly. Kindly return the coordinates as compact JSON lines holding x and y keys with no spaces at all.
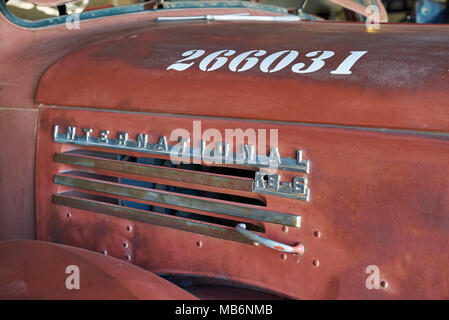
{"x":232,"y":17}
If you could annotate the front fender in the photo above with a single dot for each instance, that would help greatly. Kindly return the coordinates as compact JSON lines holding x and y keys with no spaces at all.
{"x":42,"y":270}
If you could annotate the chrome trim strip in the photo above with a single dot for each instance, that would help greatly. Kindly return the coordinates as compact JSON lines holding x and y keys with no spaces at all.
{"x":163,"y":149}
{"x":178,"y":223}
{"x":183,"y":201}
{"x":232,"y":17}
{"x":173,"y":174}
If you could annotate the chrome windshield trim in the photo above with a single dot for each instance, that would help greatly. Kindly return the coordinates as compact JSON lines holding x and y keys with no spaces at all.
{"x":233,"y":17}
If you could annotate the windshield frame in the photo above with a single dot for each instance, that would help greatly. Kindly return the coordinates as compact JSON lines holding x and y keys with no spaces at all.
{"x":140,"y":7}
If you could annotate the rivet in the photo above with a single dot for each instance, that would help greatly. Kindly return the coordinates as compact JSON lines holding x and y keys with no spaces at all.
{"x":128,"y":257}
{"x":284,"y":256}
{"x":199,"y":244}
{"x":285,"y":228}
{"x":384,"y":284}
{"x":316,"y":262}
{"x":125,"y":244}
{"x":105,"y":252}
{"x":129,"y":228}
{"x":317,"y":234}
{"x":69,"y":215}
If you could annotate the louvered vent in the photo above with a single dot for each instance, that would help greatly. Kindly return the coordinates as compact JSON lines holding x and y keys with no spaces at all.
{"x":154,"y":191}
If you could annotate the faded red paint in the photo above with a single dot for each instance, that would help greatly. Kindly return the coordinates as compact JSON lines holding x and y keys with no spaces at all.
{"x":23,"y":71}
{"x":376,"y":198}
{"x":17,"y":170}
{"x":37,"y":270}
{"x":25,"y":54}
{"x":388,"y":87}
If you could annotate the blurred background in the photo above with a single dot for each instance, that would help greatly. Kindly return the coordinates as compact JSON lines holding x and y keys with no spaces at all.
{"x":420,"y":11}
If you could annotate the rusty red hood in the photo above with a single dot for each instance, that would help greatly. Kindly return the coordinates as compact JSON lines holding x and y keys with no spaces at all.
{"x":401,"y":81}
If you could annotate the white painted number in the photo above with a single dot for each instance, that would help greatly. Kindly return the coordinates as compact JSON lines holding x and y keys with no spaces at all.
{"x":249,"y":61}
{"x":219,"y":61}
{"x":317,"y":63}
{"x":274,"y":62}
{"x":191,"y":55}
{"x":346,"y":65}
{"x":290,"y":55}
